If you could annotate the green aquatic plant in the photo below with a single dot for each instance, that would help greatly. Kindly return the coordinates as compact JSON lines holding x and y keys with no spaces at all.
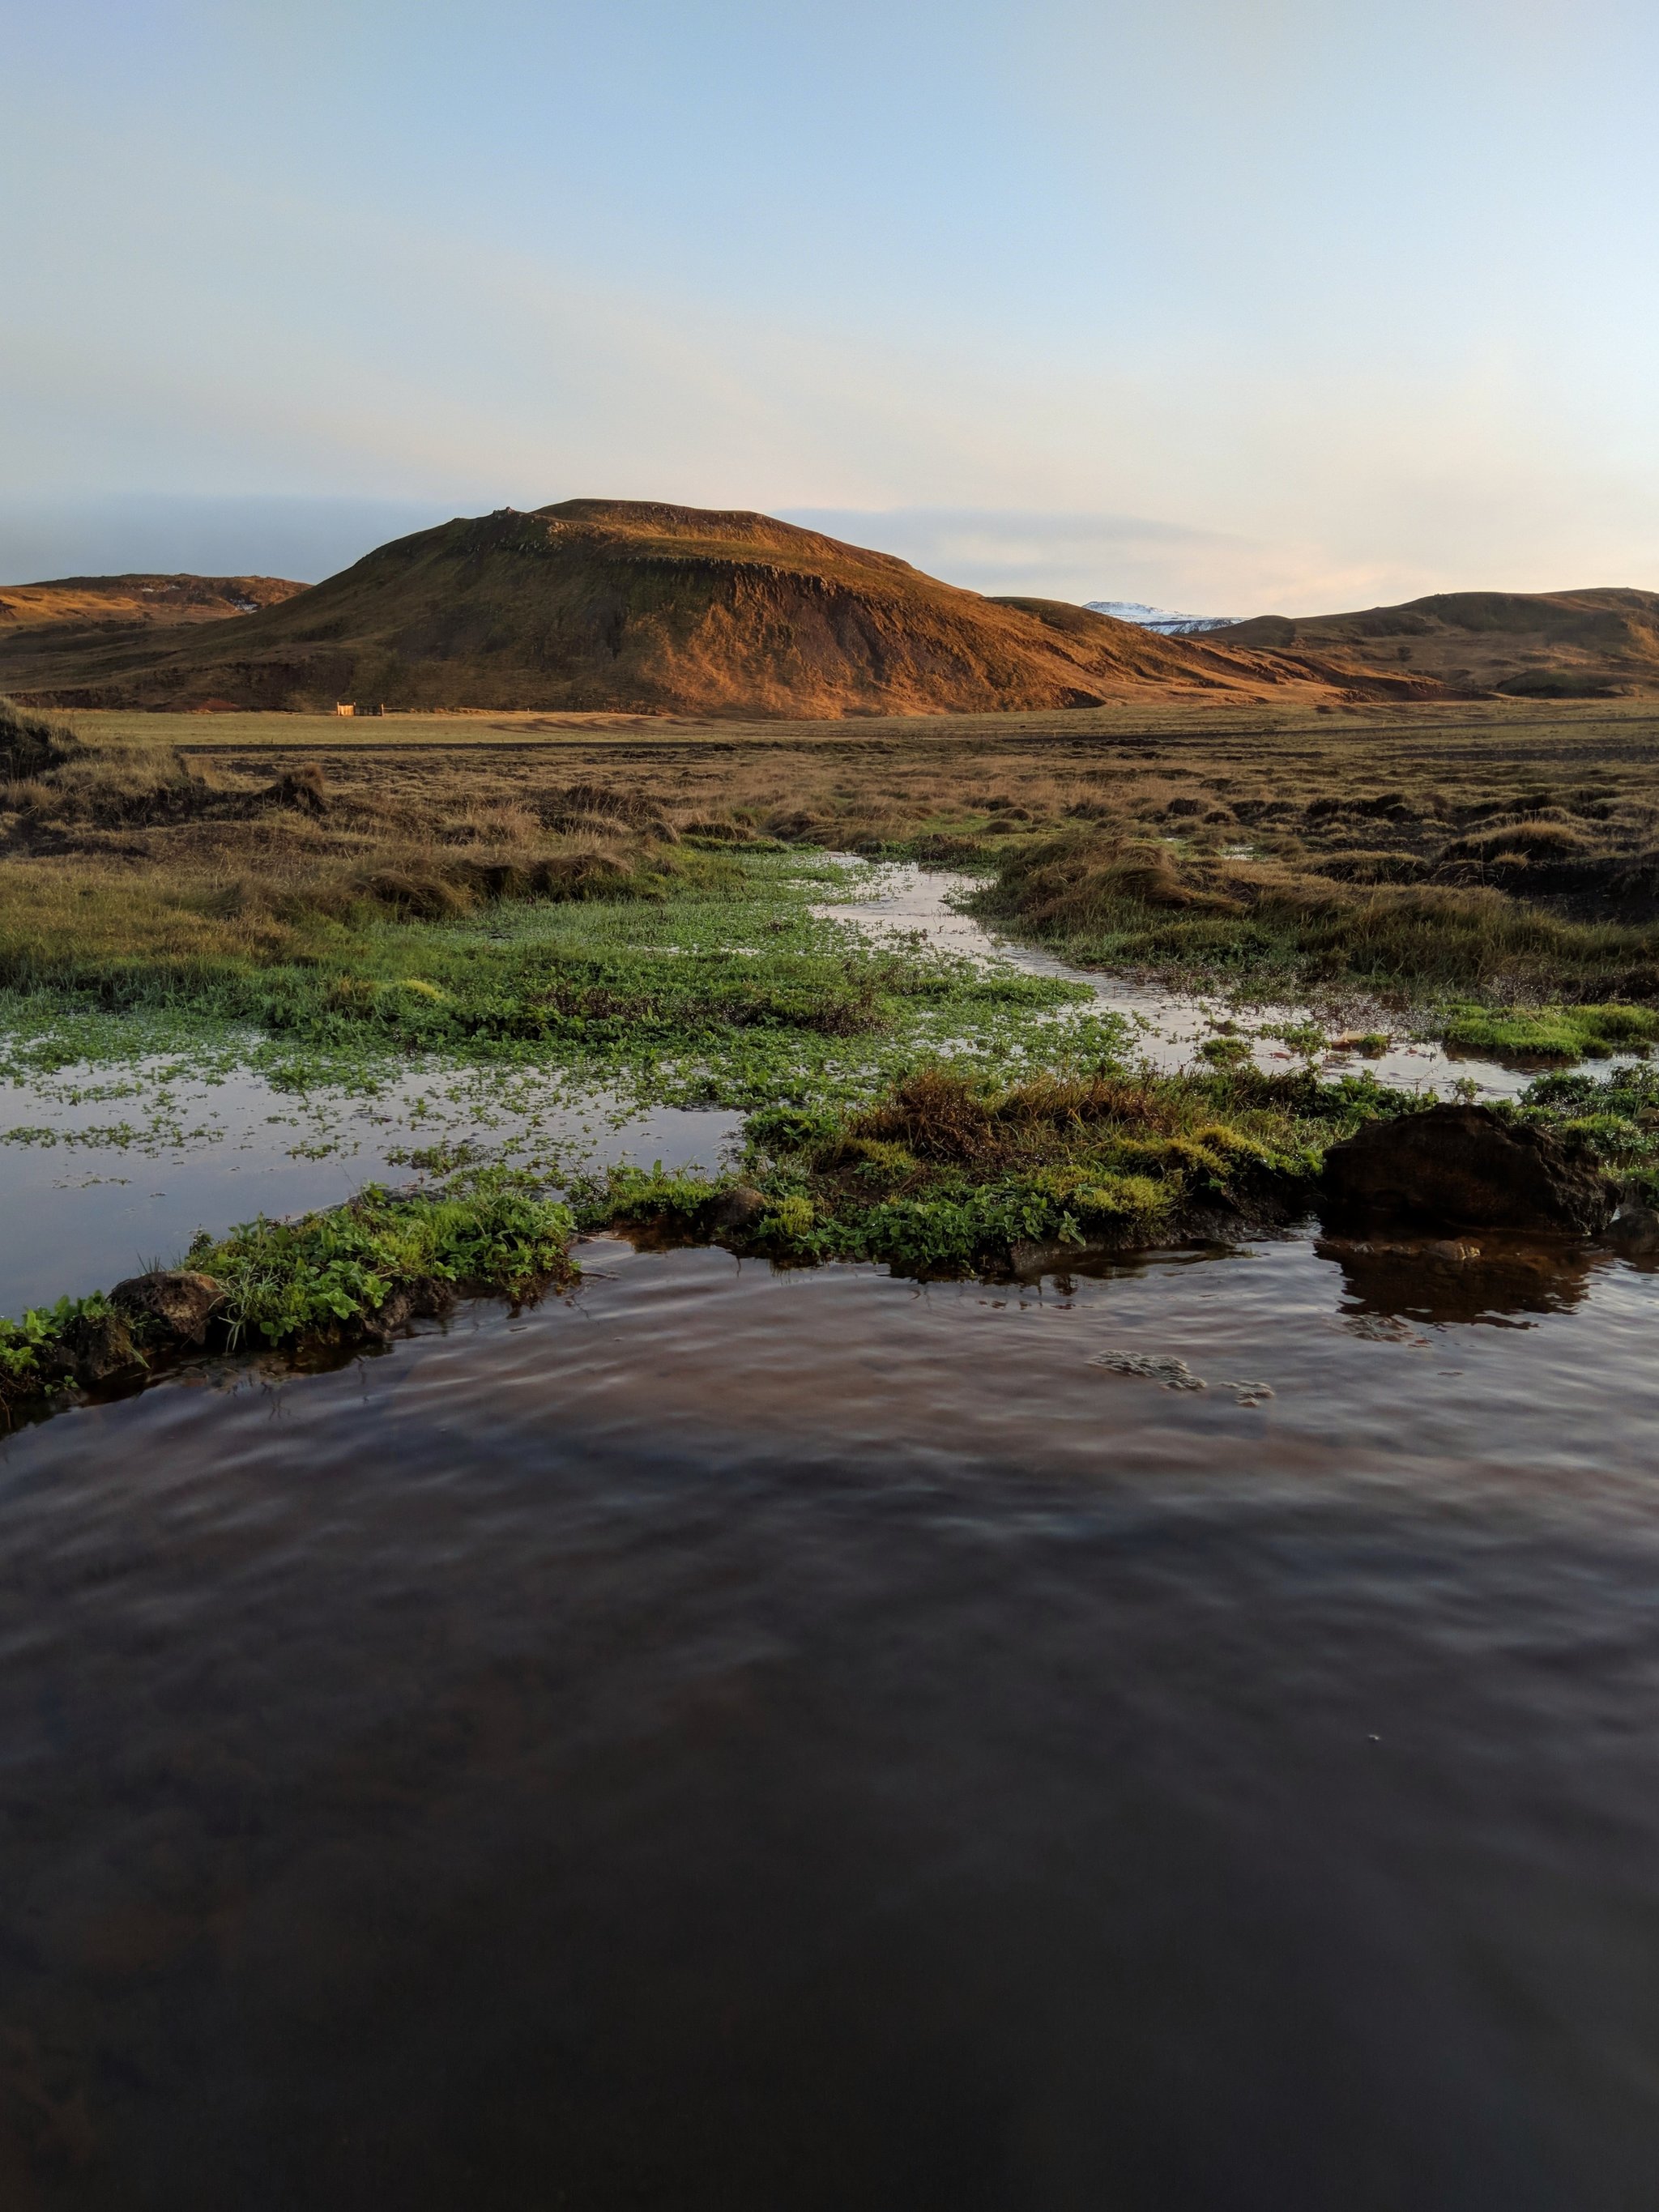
{"x":31,"y":1365}
{"x":733,"y":993}
{"x":282,"y":1281}
{"x":356,"y":1271}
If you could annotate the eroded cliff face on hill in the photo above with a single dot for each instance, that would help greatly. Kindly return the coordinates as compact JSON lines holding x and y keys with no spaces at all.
{"x":630,"y":606}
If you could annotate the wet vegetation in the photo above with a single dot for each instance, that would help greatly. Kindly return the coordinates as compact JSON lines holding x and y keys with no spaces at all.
{"x":635,"y":910}
{"x":944,"y":1174}
{"x":354,"y":1273}
{"x":1506,"y":862}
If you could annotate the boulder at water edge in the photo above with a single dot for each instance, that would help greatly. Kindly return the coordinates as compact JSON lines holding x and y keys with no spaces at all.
{"x":1466,"y":1167}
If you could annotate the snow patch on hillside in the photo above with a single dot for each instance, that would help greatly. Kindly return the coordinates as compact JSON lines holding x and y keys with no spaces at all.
{"x":1158,"y":618}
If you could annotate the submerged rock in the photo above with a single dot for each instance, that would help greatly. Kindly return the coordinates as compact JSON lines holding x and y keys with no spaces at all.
{"x":173,"y":1305}
{"x":1156,"y":1367}
{"x":1466,"y":1167}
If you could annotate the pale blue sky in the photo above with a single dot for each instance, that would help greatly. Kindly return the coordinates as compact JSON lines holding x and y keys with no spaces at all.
{"x":1237,"y":307}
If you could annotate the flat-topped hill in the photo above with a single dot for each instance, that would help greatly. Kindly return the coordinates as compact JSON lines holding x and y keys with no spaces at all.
{"x":631,"y":606}
{"x":1528,"y":644}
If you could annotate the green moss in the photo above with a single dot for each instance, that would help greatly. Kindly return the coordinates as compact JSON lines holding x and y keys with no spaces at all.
{"x":1552,"y":1032}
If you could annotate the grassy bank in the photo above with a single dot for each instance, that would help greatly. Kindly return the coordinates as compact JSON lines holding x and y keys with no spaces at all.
{"x":356,"y":1273}
{"x":943,"y":1176}
{"x":947,"y":1175}
{"x":1279,"y":923}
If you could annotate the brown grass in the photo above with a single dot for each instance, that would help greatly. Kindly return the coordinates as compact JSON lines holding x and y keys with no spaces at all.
{"x":1477,"y":849}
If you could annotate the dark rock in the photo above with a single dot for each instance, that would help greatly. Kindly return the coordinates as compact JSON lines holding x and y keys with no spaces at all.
{"x":94,"y":1347}
{"x":420,"y":1299}
{"x":171,"y":1304}
{"x":738,"y":1208}
{"x":1466,"y":1167}
{"x":1635,"y":1231}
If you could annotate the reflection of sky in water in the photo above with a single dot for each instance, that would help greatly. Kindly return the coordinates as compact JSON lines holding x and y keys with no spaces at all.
{"x":80,"y":1213}
{"x":909,"y":900}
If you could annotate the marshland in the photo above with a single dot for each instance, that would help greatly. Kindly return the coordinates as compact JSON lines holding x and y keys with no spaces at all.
{"x":610,"y":907}
{"x":588,"y":1293}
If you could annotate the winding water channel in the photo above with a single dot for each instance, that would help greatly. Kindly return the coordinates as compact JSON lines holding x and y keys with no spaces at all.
{"x":742,"y":1738}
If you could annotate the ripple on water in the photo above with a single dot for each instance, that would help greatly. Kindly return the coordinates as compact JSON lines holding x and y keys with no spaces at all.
{"x":731,"y":1739}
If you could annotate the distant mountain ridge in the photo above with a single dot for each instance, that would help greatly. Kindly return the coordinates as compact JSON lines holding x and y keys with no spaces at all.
{"x":1590,"y":644}
{"x":1162,"y":619}
{"x":103,"y":624}
{"x":633,"y":606}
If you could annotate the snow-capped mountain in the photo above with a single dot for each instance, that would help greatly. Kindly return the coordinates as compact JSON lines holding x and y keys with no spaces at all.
{"x":1157,"y":618}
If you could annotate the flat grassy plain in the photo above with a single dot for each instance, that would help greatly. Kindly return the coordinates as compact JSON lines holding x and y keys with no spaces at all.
{"x":1498,"y":857}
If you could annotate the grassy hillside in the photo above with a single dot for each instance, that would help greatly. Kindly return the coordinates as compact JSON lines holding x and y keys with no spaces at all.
{"x":89,"y":629}
{"x":617,"y":606}
{"x":1560,"y":644}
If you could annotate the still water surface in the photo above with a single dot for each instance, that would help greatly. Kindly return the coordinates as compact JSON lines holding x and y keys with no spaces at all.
{"x":738,"y":1740}
{"x":903,"y":900}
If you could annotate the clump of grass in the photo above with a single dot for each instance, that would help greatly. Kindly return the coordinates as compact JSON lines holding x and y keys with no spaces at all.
{"x":30,"y":745}
{"x":356,"y":1272}
{"x":283,"y":1281}
{"x":37,"y":1352}
{"x":1552,"y":1032}
{"x":1615,"y":1116}
{"x":947,"y":1175}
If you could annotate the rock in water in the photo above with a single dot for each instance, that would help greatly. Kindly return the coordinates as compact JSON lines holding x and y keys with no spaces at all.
{"x":735,"y":1209}
{"x":1636,"y":1233}
{"x":175,"y":1303}
{"x":1466,"y":1167}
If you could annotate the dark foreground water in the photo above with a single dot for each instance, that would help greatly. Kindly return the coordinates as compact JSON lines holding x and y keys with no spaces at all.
{"x":733,"y":1741}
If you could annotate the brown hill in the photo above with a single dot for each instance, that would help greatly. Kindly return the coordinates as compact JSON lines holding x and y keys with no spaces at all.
{"x":97,"y":626}
{"x":1560,"y":645}
{"x":626,"y":606}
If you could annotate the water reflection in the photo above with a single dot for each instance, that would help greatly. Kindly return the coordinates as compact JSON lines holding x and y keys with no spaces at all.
{"x":1169,"y":1025}
{"x":733,"y":1741}
{"x":87,"y":1201}
{"x":1487,"y":1278}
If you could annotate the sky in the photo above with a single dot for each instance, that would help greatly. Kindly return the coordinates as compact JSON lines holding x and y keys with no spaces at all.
{"x":1232,"y":306}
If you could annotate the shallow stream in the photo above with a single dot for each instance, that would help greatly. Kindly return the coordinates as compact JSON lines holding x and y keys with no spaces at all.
{"x":737,"y":1740}
{"x":905,"y":900}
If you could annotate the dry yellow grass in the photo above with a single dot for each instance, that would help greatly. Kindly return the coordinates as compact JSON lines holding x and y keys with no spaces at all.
{"x":181,"y":831}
